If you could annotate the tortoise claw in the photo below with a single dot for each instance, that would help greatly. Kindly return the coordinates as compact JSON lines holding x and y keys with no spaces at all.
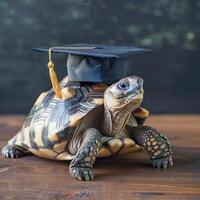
{"x":82,"y":173}
{"x":162,"y":162}
{"x":10,"y":151}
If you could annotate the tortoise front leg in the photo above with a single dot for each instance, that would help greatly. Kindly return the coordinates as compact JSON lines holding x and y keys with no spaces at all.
{"x":155,"y":143}
{"x":81,"y":166}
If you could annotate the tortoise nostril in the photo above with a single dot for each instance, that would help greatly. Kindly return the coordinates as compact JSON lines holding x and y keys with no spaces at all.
{"x":140,"y":82}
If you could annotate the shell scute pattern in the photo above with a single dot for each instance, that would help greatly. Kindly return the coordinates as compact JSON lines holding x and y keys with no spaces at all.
{"x":50,"y":116}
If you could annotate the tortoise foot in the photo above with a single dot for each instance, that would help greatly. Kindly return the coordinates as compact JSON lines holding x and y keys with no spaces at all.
{"x":82,"y":173}
{"x":162,"y":162}
{"x":10,"y":151}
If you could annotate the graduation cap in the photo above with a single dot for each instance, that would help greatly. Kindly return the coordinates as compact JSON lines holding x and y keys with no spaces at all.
{"x":93,"y":63}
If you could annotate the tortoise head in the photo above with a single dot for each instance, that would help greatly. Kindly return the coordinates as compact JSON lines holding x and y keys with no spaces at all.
{"x":126,"y":94}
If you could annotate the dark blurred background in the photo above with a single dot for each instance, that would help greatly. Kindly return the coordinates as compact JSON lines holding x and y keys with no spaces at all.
{"x":170,"y":27}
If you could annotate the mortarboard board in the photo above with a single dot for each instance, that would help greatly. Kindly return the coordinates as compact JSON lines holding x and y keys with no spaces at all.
{"x":95,"y":63}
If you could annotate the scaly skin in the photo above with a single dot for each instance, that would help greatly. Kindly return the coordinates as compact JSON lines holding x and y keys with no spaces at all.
{"x":10,"y":151}
{"x":81,"y":166}
{"x":156,"y":144}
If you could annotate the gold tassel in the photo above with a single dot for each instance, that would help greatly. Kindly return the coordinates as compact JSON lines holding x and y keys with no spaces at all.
{"x":53,"y":77}
{"x":52,"y":73}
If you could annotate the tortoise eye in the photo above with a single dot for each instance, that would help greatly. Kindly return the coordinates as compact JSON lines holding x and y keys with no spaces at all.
{"x":123,"y":85}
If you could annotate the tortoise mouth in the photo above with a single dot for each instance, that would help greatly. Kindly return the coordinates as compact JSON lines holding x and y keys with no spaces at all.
{"x":132,"y":97}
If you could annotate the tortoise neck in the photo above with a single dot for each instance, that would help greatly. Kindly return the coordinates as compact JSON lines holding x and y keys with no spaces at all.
{"x":114,"y":122}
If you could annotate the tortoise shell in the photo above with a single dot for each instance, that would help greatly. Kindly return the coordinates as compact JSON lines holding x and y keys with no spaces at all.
{"x":53,"y":124}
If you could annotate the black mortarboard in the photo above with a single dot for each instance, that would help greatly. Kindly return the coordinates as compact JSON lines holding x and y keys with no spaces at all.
{"x":96,"y":63}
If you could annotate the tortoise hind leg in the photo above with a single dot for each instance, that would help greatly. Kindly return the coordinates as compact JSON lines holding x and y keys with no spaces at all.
{"x":156,"y":144}
{"x":81,"y":166}
{"x":13,"y":151}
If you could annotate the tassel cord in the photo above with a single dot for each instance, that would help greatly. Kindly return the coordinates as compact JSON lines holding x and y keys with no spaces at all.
{"x":54,"y":80}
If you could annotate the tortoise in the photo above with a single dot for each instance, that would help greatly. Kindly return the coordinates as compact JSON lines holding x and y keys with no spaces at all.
{"x":92,"y":120}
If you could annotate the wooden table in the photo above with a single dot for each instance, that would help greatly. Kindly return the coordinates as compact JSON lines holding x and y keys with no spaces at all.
{"x":127,"y":177}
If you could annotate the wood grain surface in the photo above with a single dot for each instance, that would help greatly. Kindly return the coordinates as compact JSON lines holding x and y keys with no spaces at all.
{"x":127,"y":177}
